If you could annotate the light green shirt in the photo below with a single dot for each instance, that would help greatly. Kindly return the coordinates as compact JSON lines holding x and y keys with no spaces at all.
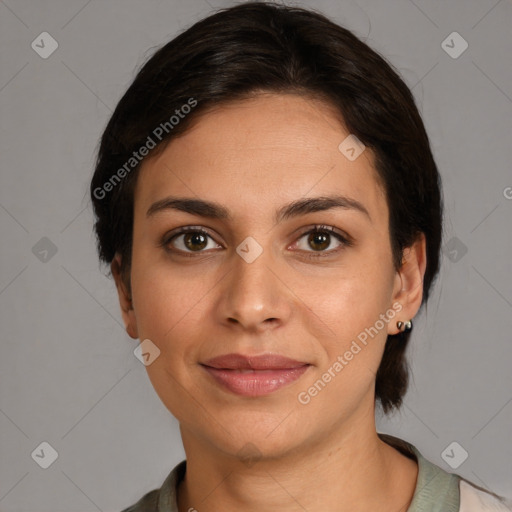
{"x":436,"y":490}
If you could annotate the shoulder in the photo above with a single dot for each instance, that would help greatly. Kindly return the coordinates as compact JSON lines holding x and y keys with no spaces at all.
{"x":436,"y":487}
{"x":148,"y":503}
{"x":164,"y":498}
{"x":475,"y":499}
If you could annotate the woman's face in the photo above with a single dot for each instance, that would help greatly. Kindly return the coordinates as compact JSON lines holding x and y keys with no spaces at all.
{"x":258,"y":282}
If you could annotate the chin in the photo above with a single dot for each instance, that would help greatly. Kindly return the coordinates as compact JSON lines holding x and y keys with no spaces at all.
{"x":256,"y":436}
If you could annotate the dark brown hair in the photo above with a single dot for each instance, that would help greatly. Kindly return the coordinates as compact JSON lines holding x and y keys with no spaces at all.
{"x":265,"y":47}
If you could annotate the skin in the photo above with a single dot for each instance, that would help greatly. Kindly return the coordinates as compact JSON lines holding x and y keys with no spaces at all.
{"x":253,"y":157}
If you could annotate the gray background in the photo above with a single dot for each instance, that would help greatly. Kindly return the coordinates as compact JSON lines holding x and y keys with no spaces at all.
{"x":68,"y":373}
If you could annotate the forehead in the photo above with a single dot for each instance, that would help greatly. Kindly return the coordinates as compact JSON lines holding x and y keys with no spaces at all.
{"x":256,"y":153}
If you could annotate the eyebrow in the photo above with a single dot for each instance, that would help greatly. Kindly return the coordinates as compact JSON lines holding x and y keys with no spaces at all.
{"x":213,"y":210}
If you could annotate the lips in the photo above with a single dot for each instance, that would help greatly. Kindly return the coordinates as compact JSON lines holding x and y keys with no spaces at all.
{"x":263,"y":362}
{"x":254,"y":375}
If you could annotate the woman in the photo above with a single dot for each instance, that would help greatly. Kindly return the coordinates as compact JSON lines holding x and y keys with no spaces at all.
{"x":267,"y":199}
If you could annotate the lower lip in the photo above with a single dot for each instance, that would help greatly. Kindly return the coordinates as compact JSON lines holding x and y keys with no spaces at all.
{"x":256,"y":383}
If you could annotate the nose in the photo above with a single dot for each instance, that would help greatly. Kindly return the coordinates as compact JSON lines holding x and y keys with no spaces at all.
{"x":253,"y":295}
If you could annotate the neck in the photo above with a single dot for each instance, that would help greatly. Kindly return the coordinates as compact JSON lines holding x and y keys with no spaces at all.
{"x":349,"y":469}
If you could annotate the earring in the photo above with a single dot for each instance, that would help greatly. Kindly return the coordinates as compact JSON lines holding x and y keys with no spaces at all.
{"x":404,"y":326}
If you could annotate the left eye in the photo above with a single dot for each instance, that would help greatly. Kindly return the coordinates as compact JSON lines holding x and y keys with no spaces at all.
{"x":320,"y":238}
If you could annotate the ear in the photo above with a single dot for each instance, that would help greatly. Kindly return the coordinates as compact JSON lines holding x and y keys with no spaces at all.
{"x":125,"y":300}
{"x":408,"y":287}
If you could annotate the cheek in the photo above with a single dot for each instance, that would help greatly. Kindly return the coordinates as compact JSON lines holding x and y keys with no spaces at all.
{"x":357,"y":310}
{"x":169,"y":312}
{"x":164,"y":296}
{"x":171,"y":309}
{"x":354,"y":301}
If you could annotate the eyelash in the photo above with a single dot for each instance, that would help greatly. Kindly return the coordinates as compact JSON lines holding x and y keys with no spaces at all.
{"x":319,"y":228}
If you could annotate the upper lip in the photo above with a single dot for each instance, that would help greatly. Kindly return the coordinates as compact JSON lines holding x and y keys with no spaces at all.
{"x":262,"y":362}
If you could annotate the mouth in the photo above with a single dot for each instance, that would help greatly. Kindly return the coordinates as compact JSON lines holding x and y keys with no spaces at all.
{"x":254,"y":375}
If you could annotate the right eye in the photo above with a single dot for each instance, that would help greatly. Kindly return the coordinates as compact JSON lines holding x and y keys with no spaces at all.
{"x":189,"y":240}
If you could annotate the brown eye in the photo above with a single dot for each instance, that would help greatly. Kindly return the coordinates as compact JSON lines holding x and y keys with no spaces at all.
{"x":319,"y":241}
{"x":195,"y":241}
{"x":188,"y":241}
